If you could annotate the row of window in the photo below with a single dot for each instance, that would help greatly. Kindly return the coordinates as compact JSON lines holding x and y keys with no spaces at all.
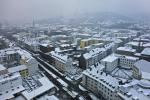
{"x":8,"y":91}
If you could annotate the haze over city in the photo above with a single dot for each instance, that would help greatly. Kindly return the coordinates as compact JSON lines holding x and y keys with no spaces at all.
{"x":74,"y":50}
{"x":26,"y":10}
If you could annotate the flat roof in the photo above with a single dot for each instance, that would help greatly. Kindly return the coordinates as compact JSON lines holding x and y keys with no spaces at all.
{"x":17,"y":68}
{"x":2,"y":67}
{"x":143,"y":65}
{"x":46,"y":85}
{"x":110,"y":58}
{"x":146,"y":51}
{"x":126,"y":49}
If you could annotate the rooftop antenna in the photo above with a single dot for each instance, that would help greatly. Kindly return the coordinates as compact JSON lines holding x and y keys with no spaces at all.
{"x":139,"y":45}
{"x":99,"y":28}
{"x":33,"y":23}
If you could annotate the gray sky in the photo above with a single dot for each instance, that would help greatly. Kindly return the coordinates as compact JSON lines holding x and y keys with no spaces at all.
{"x":26,"y":10}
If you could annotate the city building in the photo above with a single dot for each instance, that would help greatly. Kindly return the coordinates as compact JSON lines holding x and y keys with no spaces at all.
{"x":61,"y":62}
{"x":10,"y":84}
{"x":22,"y":69}
{"x":110,"y":62}
{"x":145,"y":54}
{"x":134,"y":90}
{"x":126,"y":61}
{"x":109,"y":87}
{"x":126,"y":51}
{"x":90,"y":41}
{"x":92,"y":57}
{"x":100,"y":83}
{"x":9,"y":57}
{"x":46,"y":48}
{"x":141,"y":70}
{"x":46,"y":87}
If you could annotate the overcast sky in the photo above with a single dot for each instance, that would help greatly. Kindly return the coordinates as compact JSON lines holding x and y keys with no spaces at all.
{"x":26,"y":10}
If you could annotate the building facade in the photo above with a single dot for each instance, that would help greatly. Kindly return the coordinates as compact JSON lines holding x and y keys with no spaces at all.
{"x":61,"y":62}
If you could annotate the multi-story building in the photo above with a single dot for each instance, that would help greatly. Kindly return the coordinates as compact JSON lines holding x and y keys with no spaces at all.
{"x":10,"y":84}
{"x":126,"y":51}
{"x":141,"y":70}
{"x":116,"y":60}
{"x":134,"y":90}
{"x":112,"y":88}
{"x":145,"y":54}
{"x":126,"y":61}
{"x":110,"y":62}
{"x":27,"y":60}
{"x":32,"y":45}
{"x":90,"y":41}
{"x":100,"y":83}
{"x":22,"y":69}
{"x":61,"y":62}
{"x":92,"y":57}
{"x":9,"y":57}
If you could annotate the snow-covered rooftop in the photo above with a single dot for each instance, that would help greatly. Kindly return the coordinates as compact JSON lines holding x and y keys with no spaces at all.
{"x":61,"y":57}
{"x":96,"y":73}
{"x":46,"y":85}
{"x":134,"y":90}
{"x":17,"y":68}
{"x":9,"y":76}
{"x":126,"y":49}
{"x":94,"y":52}
{"x":110,"y":58}
{"x":143,"y":65}
{"x":10,"y":94}
{"x":127,"y":57}
{"x":7,"y":51}
{"x":146,"y":51}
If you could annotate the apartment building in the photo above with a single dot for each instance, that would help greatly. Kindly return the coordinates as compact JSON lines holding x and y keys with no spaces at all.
{"x":113,"y":88}
{"x":92,"y":57}
{"x":141,"y":70}
{"x":99,"y":82}
{"x":61,"y":62}
{"x":10,"y":84}
{"x":90,"y":41}
{"x":127,"y":61}
{"x":9,"y":57}
{"x":110,"y":62}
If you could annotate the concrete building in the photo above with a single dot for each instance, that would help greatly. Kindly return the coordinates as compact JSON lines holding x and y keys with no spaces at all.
{"x":145,"y":54}
{"x":90,"y":41}
{"x":28,"y":61}
{"x":126,"y":61}
{"x":141,"y":70}
{"x":92,"y":57}
{"x":126,"y":51}
{"x":100,"y":83}
{"x":61,"y":62}
{"x":22,"y":69}
{"x":110,"y":62}
{"x":9,"y":57}
{"x":134,"y":90}
{"x":112,"y":88}
{"x":46,"y":87}
{"x":10,"y":84}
